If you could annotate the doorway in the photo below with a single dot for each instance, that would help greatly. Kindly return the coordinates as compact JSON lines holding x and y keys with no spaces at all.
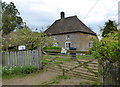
{"x":67,"y":45}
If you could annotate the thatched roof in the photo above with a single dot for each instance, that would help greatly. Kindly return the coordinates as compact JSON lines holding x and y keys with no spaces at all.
{"x":68,"y":25}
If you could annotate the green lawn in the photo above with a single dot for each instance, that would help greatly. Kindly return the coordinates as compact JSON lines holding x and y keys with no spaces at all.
{"x":56,"y":80}
{"x":86,"y":57}
{"x":63,"y":58}
{"x":22,"y":75}
{"x":67,"y":57}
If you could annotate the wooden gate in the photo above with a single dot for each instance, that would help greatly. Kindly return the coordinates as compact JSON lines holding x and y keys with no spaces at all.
{"x":65,"y":64}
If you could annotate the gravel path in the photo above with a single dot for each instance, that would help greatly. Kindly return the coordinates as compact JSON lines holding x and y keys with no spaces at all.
{"x":31,"y":80}
{"x":72,"y":81}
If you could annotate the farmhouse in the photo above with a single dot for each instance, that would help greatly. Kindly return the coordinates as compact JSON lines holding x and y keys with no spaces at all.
{"x":71,"y":32}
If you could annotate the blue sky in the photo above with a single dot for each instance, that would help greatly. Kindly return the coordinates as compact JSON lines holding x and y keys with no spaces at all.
{"x":41,"y":13}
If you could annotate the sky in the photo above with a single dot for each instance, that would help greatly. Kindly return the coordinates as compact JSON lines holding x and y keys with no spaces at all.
{"x":42,"y":13}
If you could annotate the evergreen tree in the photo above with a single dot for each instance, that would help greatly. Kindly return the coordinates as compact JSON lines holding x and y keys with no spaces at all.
{"x":109,"y":27}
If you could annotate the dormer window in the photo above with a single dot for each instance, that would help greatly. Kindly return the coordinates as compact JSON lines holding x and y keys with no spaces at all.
{"x":67,"y":37}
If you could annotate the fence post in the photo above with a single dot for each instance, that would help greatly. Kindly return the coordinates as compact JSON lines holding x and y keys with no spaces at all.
{"x":40,"y":57}
{"x":118,"y":74}
{"x":100,"y":70}
{"x":109,"y":73}
{"x":1,"y":58}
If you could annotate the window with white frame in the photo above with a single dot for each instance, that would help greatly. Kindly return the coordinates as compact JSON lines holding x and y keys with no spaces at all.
{"x":91,"y":44}
{"x":55,"y":44}
{"x":67,"y":37}
{"x":54,"y":38}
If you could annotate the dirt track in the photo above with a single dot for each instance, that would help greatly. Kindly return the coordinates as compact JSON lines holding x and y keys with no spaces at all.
{"x":40,"y":78}
{"x":45,"y":76}
{"x":31,"y":80}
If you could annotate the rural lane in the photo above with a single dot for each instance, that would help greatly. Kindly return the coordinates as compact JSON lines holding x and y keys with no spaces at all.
{"x":31,"y":80}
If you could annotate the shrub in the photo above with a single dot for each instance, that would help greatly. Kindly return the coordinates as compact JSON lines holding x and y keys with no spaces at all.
{"x":18,"y":70}
{"x":107,"y":49}
{"x":6,"y":71}
{"x":52,"y":47}
{"x":28,"y":69}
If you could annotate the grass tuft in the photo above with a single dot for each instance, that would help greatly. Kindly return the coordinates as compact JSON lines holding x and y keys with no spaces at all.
{"x":56,"y":80}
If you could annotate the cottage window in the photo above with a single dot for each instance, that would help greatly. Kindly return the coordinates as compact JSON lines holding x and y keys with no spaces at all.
{"x":54,"y":38}
{"x":91,"y":44}
{"x":67,"y":37}
{"x":55,"y":44}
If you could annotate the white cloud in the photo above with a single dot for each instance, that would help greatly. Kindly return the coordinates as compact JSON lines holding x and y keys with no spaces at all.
{"x":44,"y":12}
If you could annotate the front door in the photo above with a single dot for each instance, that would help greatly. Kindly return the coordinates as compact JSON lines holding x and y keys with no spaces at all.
{"x":67,"y":45}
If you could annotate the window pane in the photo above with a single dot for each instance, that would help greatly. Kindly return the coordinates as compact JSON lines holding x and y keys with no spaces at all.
{"x":68,"y":37}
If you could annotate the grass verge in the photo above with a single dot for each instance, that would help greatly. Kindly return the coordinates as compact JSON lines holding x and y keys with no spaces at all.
{"x":92,"y":83}
{"x":56,"y":80}
{"x":20,"y":72}
{"x":86,"y":57}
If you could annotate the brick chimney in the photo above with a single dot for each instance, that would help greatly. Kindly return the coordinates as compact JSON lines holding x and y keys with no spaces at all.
{"x":62,"y":14}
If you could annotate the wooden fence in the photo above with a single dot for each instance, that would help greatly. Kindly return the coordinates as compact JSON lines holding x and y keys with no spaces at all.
{"x":109,"y":73}
{"x":22,"y":58}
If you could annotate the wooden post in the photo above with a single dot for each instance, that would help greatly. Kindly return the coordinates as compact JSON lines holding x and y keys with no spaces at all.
{"x":0,"y":40}
{"x":40,"y":57}
{"x":0,"y":33}
{"x":63,"y":70}
{"x":100,"y":70}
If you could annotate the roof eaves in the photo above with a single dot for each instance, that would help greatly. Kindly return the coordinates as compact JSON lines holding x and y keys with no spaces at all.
{"x":73,"y":32}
